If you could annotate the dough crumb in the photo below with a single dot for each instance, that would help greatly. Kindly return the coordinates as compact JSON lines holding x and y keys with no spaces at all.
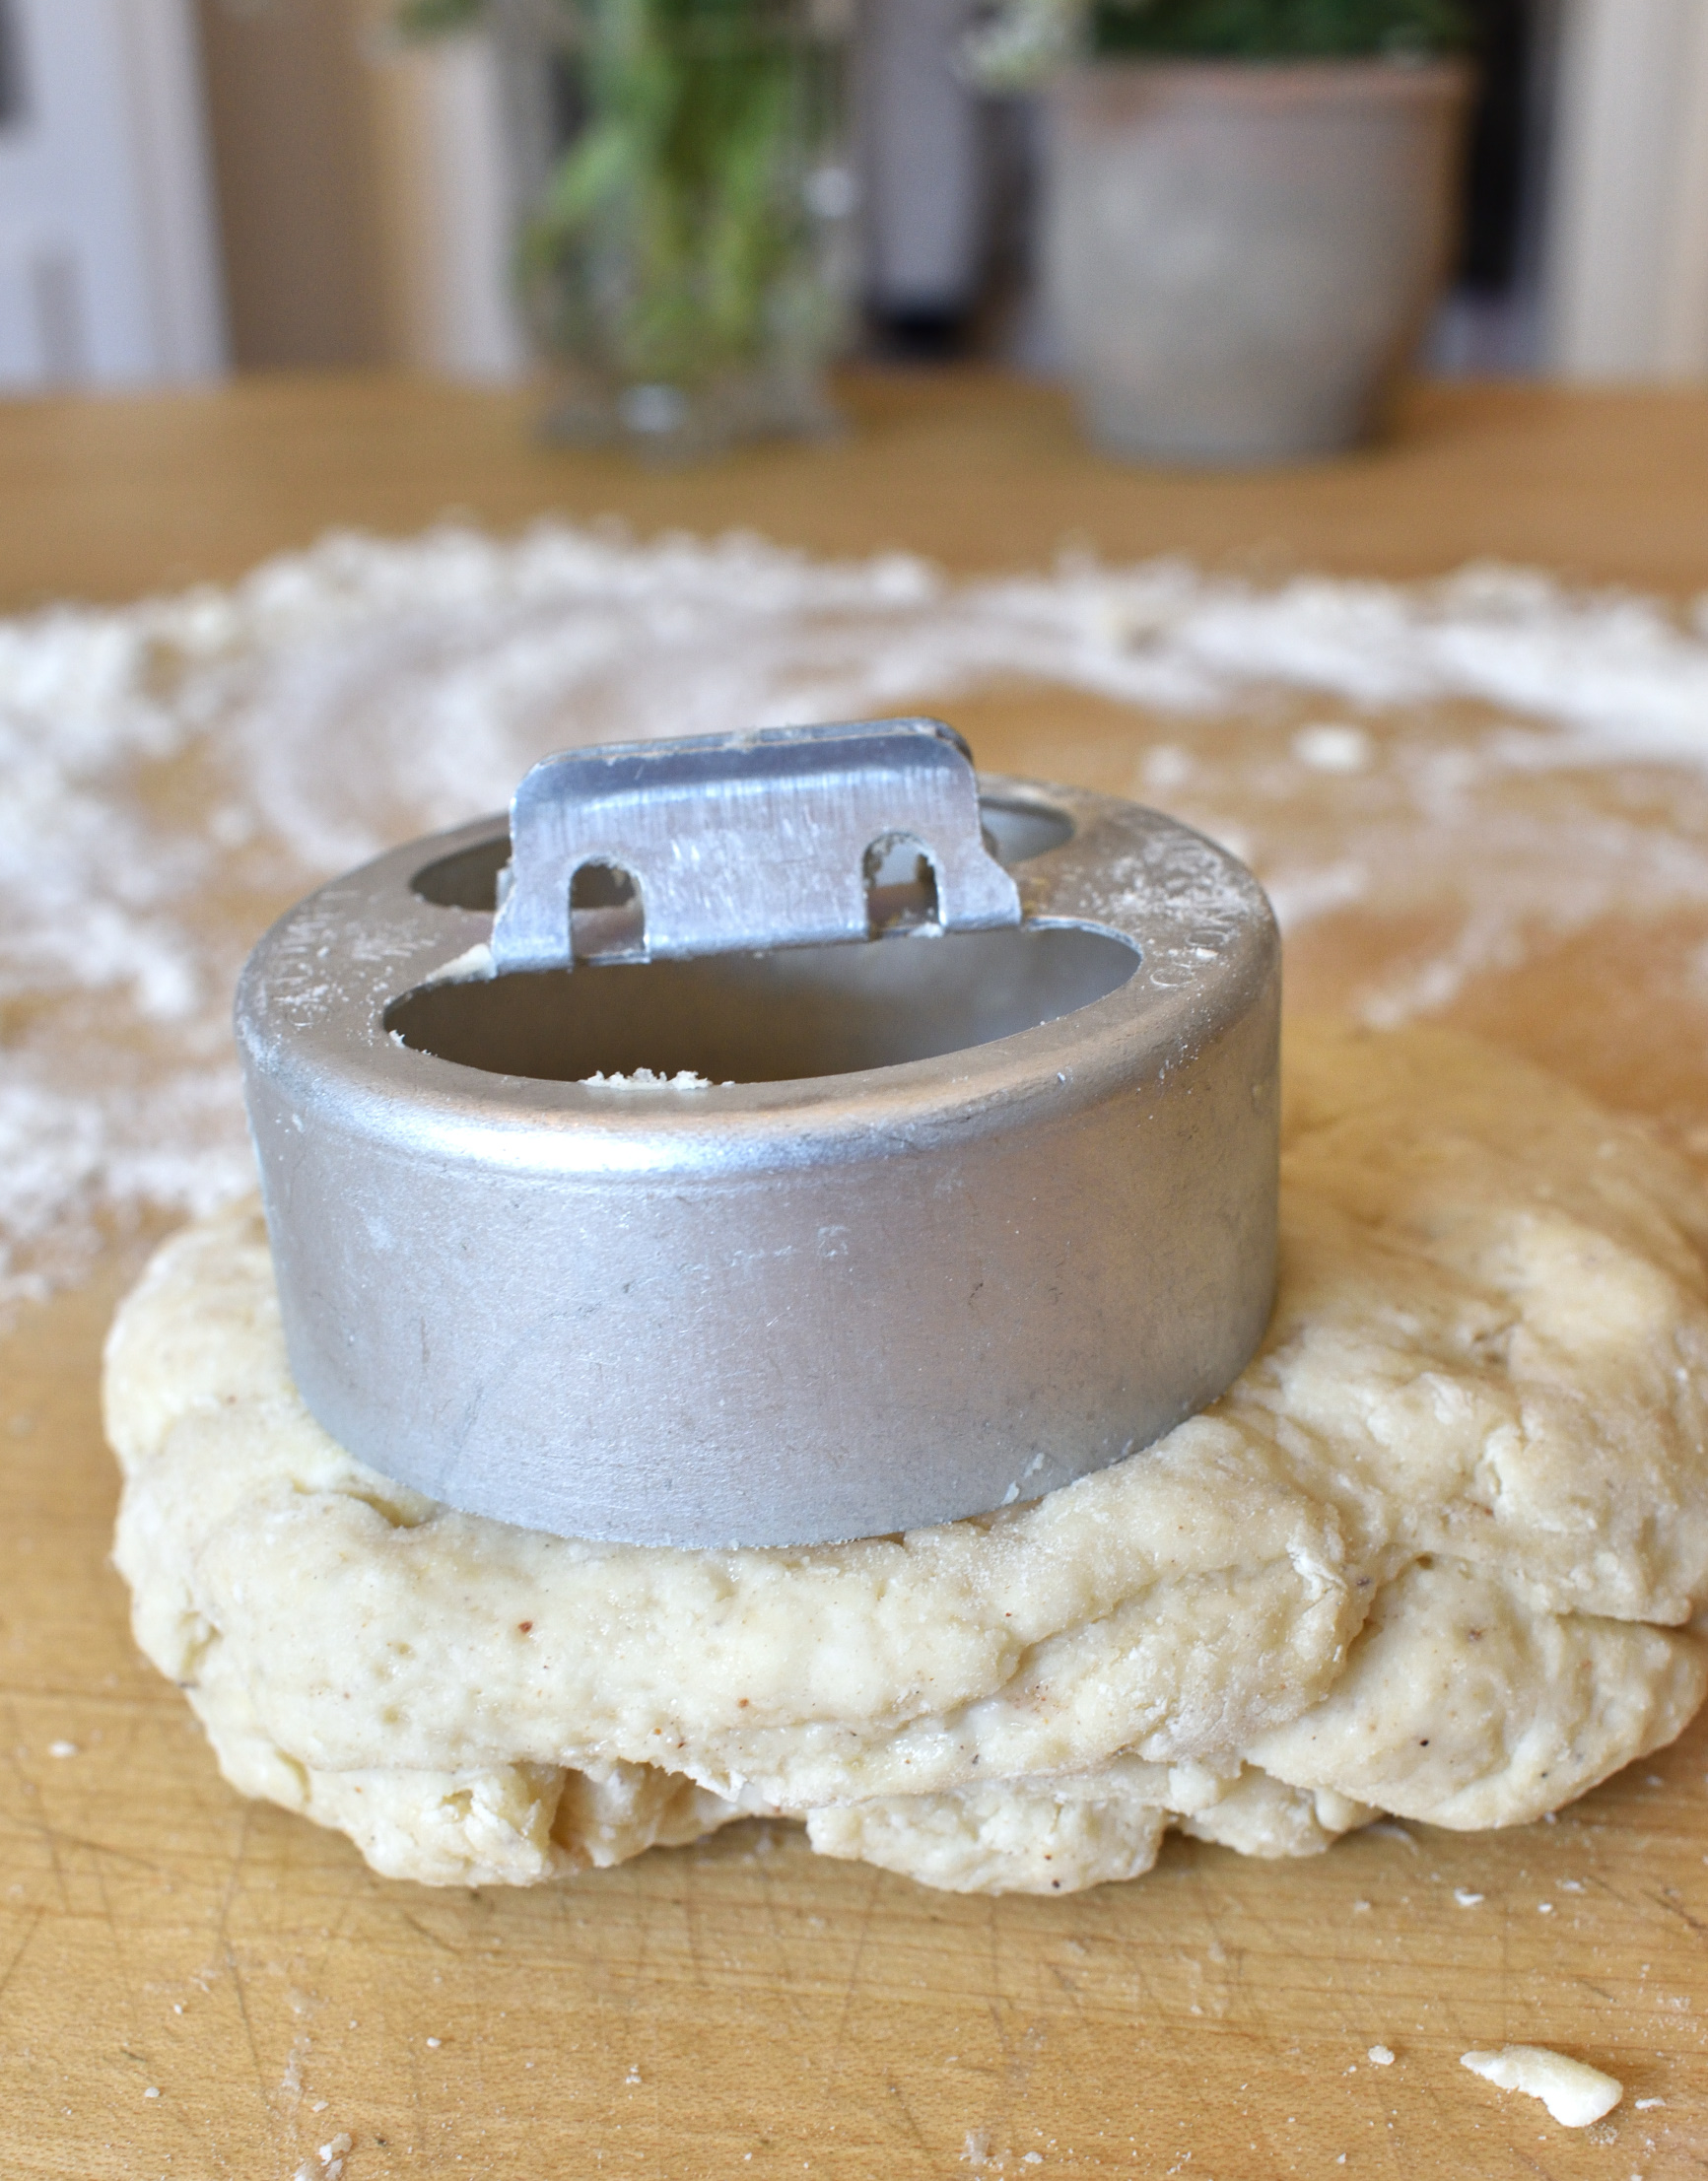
{"x":1380,"y":2057}
{"x":1575,"y":2093}
{"x":646,"y":1078}
{"x":473,"y":965}
{"x":1466,"y":1898}
{"x":62,"y":1750}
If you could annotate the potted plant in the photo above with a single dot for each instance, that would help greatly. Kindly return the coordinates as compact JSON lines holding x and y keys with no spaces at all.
{"x":688,"y":267}
{"x":1250,"y":209}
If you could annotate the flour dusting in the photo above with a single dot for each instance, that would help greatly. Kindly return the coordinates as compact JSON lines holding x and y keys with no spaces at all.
{"x":174,"y":773}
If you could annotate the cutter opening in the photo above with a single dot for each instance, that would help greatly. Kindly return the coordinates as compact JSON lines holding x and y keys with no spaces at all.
{"x":607,"y":915}
{"x":466,"y":878}
{"x":795,"y":1013}
{"x":901,"y":885}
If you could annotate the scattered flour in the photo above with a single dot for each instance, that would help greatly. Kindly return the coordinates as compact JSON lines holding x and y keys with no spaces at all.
{"x":1574,"y":2094}
{"x":174,"y":773}
{"x":1332,"y":747}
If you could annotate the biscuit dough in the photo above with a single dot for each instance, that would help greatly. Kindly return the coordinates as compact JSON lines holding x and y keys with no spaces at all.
{"x":1576,"y":2094}
{"x":1435,"y":1554}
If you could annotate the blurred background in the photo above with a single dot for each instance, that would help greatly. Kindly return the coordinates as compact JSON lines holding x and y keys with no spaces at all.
{"x":190,"y":188}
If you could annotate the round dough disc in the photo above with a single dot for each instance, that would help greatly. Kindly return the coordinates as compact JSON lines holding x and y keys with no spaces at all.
{"x":1433,"y":1554}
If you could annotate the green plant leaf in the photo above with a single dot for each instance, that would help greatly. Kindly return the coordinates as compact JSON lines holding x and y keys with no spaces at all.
{"x":437,"y":17}
{"x":674,"y":239}
{"x":1262,"y":30}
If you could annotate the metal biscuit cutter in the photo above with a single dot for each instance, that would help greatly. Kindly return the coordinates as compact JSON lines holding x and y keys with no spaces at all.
{"x":769,"y":1139}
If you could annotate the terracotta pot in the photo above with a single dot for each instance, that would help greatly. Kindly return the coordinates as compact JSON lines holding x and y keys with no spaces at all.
{"x":1242,"y":257}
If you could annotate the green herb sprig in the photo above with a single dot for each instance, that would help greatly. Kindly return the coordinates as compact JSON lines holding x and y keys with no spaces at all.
{"x":673,"y":240}
{"x":1016,"y":44}
{"x":1264,"y":30}
{"x":438,"y":18}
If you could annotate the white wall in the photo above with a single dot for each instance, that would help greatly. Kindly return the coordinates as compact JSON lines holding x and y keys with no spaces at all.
{"x":923,"y":157}
{"x":1626,"y":277}
{"x":446,"y":210}
{"x":108,"y":266}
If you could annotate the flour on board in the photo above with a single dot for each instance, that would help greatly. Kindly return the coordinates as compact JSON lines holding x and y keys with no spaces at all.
{"x":177,"y":770}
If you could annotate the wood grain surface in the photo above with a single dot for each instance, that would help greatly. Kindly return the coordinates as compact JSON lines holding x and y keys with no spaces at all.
{"x":191,"y":1986}
{"x":106,"y":499}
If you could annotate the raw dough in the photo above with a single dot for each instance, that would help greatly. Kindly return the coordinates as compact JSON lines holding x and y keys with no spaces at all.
{"x":1433,"y":1554}
{"x":1576,"y":2094}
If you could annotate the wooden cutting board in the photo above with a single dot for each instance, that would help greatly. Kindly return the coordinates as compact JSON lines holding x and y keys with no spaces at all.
{"x":191,"y":1986}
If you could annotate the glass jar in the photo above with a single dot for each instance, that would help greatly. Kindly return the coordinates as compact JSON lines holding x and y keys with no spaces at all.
{"x":689,"y":269}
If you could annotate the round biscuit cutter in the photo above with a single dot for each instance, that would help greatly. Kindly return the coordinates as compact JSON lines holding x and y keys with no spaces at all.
{"x":769,"y":1139}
